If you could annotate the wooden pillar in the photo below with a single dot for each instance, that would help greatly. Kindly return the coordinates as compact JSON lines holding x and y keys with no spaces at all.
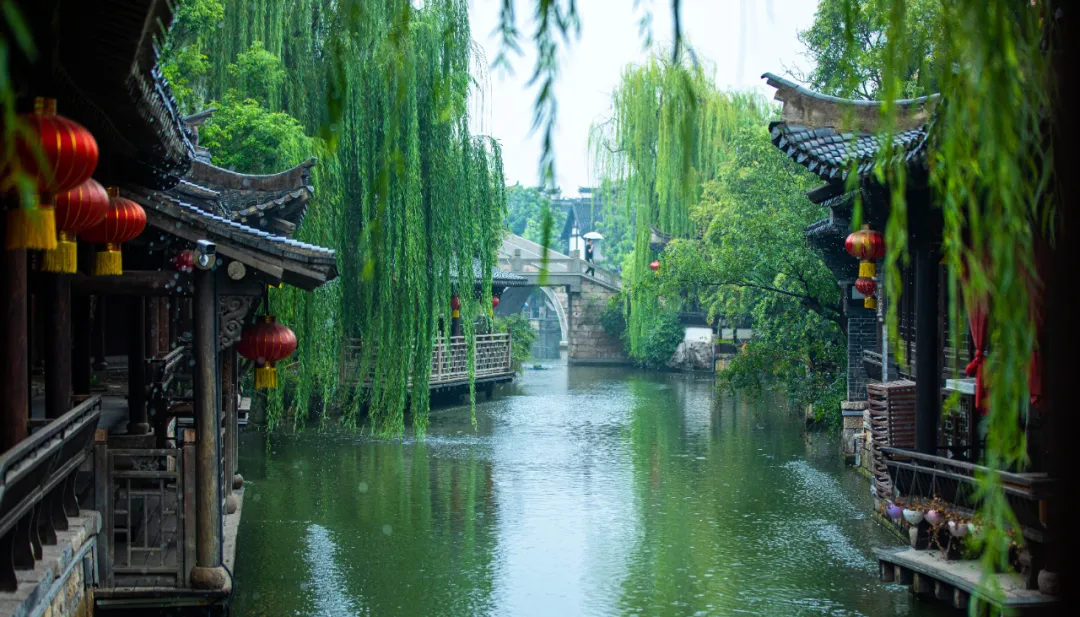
{"x":138,"y":422}
{"x":14,"y":371}
{"x":57,"y":325}
{"x":228,"y":410}
{"x":80,"y":345}
{"x":208,"y":572}
{"x":163,"y":325}
{"x":153,"y":326}
{"x":97,"y":340}
{"x":927,"y":350}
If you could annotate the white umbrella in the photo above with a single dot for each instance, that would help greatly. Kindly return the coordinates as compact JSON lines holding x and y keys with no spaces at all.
{"x":592,"y":235}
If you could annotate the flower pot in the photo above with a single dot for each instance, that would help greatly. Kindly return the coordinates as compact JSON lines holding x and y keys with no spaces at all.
{"x":894,"y":511}
{"x":913,"y":516}
{"x":935,"y":518}
{"x":958,"y":530}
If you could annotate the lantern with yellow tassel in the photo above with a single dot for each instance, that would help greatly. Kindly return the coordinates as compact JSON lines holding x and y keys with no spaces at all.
{"x":58,"y":154}
{"x":82,"y":207}
{"x":866,"y":245}
{"x":266,"y":343}
{"x":124,"y":221}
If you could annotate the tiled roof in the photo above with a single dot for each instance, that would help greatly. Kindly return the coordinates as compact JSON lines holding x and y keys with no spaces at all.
{"x":829,"y":153}
{"x":811,"y":130}
{"x":304,"y":265}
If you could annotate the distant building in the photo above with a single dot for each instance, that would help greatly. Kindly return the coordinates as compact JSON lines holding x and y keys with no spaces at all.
{"x":582,"y":215}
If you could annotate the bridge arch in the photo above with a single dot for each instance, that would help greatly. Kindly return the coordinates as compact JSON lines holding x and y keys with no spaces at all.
{"x":560,"y":311}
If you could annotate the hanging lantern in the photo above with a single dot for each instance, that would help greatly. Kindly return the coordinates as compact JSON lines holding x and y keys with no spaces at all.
{"x":866,"y":245}
{"x":80,"y":208}
{"x":655,"y":265}
{"x":58,"y":154}
{"x":494,"y":301}
{"x":266,"y":343}
{"x":455,"y":306}
{"x":867,"y":287}
{"x":184,"y":261}
{"x":124,"y":222}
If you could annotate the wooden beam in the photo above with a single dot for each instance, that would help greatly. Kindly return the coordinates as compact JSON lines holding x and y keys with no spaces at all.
{"x":130,"y":283}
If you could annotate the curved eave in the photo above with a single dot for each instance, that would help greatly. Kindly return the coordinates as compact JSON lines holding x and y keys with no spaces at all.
{"x":831,"y":136}
{"x":216,"y":177}
{"x":279,"y":258}
{"x":816,"y":110}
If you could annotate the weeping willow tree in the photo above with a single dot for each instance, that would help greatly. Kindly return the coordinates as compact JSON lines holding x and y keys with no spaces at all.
{"x":670,"y":131}
{"x":407,"y":196}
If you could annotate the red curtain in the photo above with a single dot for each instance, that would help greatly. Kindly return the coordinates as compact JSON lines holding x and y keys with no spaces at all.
{"x":977,"y":318}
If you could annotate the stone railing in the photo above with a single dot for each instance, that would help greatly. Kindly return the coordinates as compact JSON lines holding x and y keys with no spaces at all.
{"x":37,"y":487}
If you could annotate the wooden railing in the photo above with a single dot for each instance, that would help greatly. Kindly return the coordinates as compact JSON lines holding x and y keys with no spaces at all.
{"x":924,"y":476}
{"x":37,"y":487}
{"x":449,"y":363}
{"x":147,"y":500}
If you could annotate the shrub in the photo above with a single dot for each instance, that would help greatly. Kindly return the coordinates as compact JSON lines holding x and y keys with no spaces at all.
{"x":662,"y":333}
{"x":522,"y":337}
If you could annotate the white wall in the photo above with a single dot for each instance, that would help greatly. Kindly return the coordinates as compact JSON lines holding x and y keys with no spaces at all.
{"x":698,"y":334}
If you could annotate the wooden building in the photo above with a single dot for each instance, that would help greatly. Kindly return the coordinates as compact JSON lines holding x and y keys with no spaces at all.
{"x":119,"y":392}
{"x":920,"y":459}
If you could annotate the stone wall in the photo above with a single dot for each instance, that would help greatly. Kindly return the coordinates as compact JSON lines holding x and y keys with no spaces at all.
{"x":61,"y":583}
{"x":587,"y":341}
{"x":862,"y":335}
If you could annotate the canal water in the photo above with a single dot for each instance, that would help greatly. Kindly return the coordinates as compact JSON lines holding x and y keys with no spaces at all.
{"x":580,"y":491}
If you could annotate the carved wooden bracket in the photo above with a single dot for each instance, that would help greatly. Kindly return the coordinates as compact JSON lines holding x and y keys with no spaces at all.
{"x":232,"y":312}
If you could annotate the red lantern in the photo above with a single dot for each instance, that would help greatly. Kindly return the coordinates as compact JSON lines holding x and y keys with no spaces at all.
{"x":455,"y":306}
{"x":81,"y":208}
{"x":59,"y":154}
{"x":266,"y":343}
{"x":494,"y":301}
{"x":867,"y":287}
{"x":124,"y":222}
{"x":866,"y":244}
{"x":655,"y":265}
{"x":184,"y":261}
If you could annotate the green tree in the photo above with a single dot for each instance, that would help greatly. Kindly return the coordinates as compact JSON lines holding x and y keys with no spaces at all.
{"x":184,"y":59}
{"x":257,"y":73}
{"x":753,"y":262}
{"x":670,"y":130}
{"x":847,"y":44}
{"x":245,"y":136}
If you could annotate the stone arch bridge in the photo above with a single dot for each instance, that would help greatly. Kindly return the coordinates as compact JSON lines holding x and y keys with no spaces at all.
{"x":579,"y":298}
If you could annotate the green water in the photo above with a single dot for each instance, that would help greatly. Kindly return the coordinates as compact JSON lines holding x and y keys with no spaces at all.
{"x":583,"y":491}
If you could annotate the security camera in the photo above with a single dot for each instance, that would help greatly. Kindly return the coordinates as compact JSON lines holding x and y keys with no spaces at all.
{"x":205,"y":254}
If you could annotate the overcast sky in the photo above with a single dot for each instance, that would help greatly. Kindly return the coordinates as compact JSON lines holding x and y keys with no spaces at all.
{"x":742,"y":38}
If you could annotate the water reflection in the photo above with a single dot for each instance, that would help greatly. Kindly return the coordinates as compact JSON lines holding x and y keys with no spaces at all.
{"x":594,"y":491}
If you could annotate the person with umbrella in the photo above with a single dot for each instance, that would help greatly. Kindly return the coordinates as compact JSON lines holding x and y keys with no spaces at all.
{"x":589,"y":246}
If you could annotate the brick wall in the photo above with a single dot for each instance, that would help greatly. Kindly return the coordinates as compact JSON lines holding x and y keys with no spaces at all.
{"x":862,"y":335}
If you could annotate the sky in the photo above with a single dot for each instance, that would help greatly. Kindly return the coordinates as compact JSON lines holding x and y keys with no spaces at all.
{"x":741,"y":38}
